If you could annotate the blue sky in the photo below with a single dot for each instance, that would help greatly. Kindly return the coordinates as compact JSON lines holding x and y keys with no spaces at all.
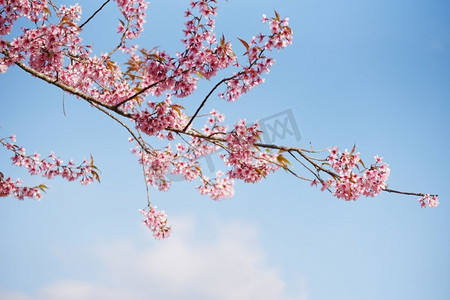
{"x":371,"y":73}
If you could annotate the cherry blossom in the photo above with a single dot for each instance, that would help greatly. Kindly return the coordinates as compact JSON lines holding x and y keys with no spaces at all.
{"x":156,"y":221}
{"x":48,"y":167}
{"x":144,"y":91}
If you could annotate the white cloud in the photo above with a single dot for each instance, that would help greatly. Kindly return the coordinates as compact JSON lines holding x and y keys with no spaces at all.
{"x":231,"y":265}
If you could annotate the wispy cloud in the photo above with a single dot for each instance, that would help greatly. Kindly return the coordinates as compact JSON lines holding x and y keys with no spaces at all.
{"x":231,"y":265}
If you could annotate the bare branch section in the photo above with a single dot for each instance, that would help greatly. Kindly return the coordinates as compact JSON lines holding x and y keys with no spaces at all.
{"x":93,"y":15}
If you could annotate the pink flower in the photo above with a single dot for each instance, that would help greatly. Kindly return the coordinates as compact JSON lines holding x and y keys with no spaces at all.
{"x":431,"y":201}
{"x":156,"y":221}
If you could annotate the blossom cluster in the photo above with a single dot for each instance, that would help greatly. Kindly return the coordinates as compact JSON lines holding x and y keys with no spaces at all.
{"x":183,"y":160}
{"x":51,"y":166}
{"x":44,"y":45}
{"x":281,"y":35}
{"x":165,"y":115}
{"x":259,"y":63}
{"x":48,"y":167}
{"x":134,"y":12}
{"x":350,"y":183}
{"x":430,"y":200}
{"x":34,"y":10}
{"x":247,"y":162}
{"x":156,"y":166}
{"x":213,"y":126}
{"x":9,"y":187}
{"x":156,"y":221}
{"x":222,"y":187}
{"x":204,"y":54}
{"x":53,"y":47}
{"x":353,"y":179}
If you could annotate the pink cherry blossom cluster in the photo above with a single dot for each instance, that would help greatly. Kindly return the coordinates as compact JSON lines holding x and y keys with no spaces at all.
{"x":155,"y":72}
{"x":203,"y":54}
{"x":281,"y":33}
{"x":134,"y":12}
{"x":205,"y":7}
{"x":431,"y":200}
{"x":156,"y":166}
{"x":220,"y":188}
{"x":50,"y":166}
{"x":164,"y":115}
{"x":55,"y":50}
{"x":184,"y":161}
{"x":34,"y":10}
{"x":250,"y":76}
{"x":350,"y":184}
{"x":156,"y":221}
{"x":213,"y":126}
{"x":8,"y":187}
{"x":45,"y":45}
{"x":247,"y":162}
{"x":189,"y":171}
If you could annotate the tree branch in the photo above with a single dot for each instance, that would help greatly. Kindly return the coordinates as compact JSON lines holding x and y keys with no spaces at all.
{"x":406,"y":193}
{"x":206,"y":99}
{"x":93,"y":15}
{"x":140,"y":92}
{"x":71,"y":90}
{"x":105,"y":107}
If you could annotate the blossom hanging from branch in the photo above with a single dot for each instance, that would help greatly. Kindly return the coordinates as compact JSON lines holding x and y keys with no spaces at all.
{"x":145,"y":95}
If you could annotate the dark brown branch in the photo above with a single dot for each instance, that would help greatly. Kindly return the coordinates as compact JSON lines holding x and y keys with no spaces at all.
{"x":206,"y":99}
{"x":300,"y":151}
{"x":138,"y":140}
{"x":122,"y":39}
{"x":71,"y":90}
{"x":105,"y":107}
{"x":406,"y":193}
{"x":306,"y":167}
{"x":140,"y":92}
{"x":93,"y":15}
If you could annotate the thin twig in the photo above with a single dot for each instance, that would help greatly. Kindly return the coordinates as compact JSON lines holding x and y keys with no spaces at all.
{"x":139,"y":141}
{"x":143,"y":172}
{"x":140,"y":92}
{"x":406,"y":193}
{"x":93,"y":15}
{"x":305,"y":166}
{"x":206,"y":99}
